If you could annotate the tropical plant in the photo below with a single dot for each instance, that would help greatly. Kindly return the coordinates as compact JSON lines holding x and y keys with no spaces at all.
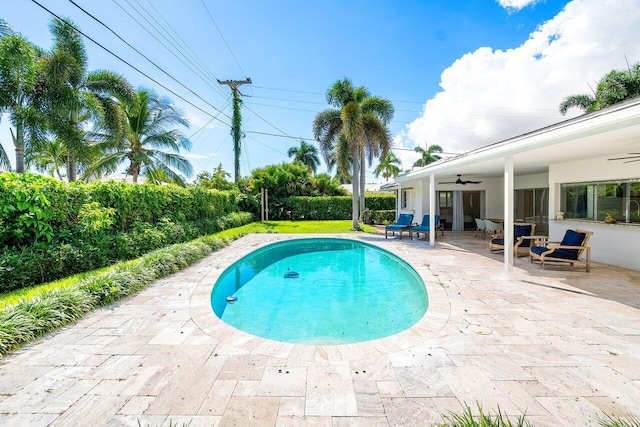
{"x":354,"y":130}
{"x":216,"y":180}
{"x":76,"y":97}
{"x":49,"y":156}
{"x":616,"y":86}
{"x":306,"y":154}
{"x":388,"y":167}
{"x":149,"y":142}
{"x":18,"y":77}
{"x":427,"y":156}
{"x":5,"y":28}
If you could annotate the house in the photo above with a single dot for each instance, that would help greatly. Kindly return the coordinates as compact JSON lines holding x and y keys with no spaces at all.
{"x":565,"y":176}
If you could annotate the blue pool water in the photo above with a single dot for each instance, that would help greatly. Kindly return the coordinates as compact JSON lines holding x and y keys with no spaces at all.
{"x":337,"y":291}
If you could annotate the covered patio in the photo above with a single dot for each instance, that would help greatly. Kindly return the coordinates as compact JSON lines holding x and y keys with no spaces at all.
{"x":558,"y":344}
{"x":590,"y":148}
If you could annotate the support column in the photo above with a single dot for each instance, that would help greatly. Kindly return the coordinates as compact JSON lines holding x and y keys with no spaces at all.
{"x":432,"y":210}
{"x":508,"y":214}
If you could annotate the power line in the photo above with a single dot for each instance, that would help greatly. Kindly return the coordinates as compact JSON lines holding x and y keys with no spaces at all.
{"x":199,"y":73}
{"x":130,"y":65}
{"x":147,"y":58}
{"x":222,"y":36}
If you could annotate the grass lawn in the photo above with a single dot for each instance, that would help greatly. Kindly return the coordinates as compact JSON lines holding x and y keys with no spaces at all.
{"x":297,"y":227}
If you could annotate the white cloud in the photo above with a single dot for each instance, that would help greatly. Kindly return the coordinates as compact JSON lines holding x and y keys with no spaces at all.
{"x":491,"y":95}
{"x":516,"y":4}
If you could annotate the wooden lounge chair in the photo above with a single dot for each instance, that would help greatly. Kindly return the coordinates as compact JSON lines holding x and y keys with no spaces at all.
{"x":520,"y":246}
{"x":569,"y":250}
{"x":402,"y":224}
{"x":424,"y":227}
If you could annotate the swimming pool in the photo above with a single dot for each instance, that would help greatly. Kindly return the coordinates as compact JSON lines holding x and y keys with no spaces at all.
{"x":320,"y":291}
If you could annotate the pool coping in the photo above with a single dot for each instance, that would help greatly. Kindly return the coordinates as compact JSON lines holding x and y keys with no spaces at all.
{"x":237,"y":341}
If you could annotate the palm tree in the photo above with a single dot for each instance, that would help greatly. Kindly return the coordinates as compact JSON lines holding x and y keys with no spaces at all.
{"x":616,"y":86}
{"x":76,"y":96}
{"x":427,"y":156}
{"x":48,"y":156}
{"x":306,"y":154}
{"x":149,"y":143}
{"x":388,"y":167}
{"x":355,"y":128}
{"x":5,"y":28}
{"x":18,"y":77}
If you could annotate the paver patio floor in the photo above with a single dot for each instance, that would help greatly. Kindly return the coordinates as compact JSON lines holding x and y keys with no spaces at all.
{"x":561,"y":345}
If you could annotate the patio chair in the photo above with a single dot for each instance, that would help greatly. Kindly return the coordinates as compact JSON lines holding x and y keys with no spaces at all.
{"x":492,"y":228}
{"x":480,"y":227}
{"x":569,"y":250}
{"x":424,"y":227}
{"x":521,"y":245}
{"x":402,"y":224}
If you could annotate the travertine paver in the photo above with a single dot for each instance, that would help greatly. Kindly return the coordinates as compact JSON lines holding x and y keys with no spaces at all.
{"x":559,"y":344}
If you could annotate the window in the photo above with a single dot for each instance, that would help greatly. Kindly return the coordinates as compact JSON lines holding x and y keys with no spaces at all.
{"x":446,"y":199}
{"x":407,"y":199}
{"x":594,"y":200}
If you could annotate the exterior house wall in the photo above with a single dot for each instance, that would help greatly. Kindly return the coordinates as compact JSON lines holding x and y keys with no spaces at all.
{"x":616,"y":244}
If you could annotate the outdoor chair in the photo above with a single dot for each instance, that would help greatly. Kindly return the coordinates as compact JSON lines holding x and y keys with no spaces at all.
{"x":569,"y":250}
{"x":480,"y":227}
{"x":402,"y":224}
{"x":520,"y":243}
{"x":492,"y":228}
{"x":424,"y":227}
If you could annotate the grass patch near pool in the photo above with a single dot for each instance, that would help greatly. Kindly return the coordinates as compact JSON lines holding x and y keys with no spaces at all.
{"x":300,"y":227}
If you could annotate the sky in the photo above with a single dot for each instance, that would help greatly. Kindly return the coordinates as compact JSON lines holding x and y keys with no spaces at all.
{"x":460,"y":73}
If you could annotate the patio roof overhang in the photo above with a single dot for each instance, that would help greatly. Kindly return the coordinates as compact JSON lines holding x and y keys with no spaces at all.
{"x":611,"y":132}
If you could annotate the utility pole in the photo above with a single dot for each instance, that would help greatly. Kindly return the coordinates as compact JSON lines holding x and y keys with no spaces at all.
{"x":237,"y":120}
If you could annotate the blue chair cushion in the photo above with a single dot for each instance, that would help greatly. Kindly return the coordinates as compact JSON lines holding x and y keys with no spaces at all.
{"x":397,"y":226}
{"x":523,"y":230}
{"x":571,"y":254}
{"x":572,"y":238}
{"x":497,"y":241}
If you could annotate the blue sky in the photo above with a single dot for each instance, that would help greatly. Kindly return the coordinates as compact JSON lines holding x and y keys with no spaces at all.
{"x":461,"y":74}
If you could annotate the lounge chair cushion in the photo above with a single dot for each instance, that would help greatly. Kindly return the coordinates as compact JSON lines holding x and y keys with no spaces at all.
{"x":558,"y":253}
{"x":519,"y":231}
{"x":571,"y":238}
{"x":523,"y":230}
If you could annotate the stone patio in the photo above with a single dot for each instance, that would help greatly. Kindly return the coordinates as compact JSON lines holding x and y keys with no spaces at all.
{"x":560,"y":344}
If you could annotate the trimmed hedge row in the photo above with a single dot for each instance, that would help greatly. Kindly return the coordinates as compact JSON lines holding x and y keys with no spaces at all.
{"x":33,"y":317}
{"x":35,"y":208}
{"x":327,"y":208}
{"x":28,"y":266}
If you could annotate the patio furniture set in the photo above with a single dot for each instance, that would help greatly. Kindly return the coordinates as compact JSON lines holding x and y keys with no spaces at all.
{"x":526,"y":243}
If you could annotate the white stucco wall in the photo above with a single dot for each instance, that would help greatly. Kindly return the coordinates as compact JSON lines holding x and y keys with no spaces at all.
{"x":616,"y":244}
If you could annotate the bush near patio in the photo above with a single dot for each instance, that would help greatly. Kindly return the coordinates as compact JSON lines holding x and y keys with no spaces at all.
{"x":330,"y":208}
{"x":50,"y":229}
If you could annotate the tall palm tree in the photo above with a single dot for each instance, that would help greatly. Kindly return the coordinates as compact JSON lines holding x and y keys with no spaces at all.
{"x":355,"y":128}
{"x":388,"y":167}
{"x":150,"y":143}
{"x":616,"y":86}
{"x":5,"y":28}
{"x":78,"y":97}
{"x":18,"y":82}
{"x":306,"y":154}
{"x":427,"y":156}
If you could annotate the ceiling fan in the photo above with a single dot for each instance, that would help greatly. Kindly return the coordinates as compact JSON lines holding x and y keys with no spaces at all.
{"x":634,"y":156}
{"x":459,"y":181}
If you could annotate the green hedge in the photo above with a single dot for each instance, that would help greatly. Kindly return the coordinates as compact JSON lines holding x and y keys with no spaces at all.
{"x":326,"y":208}
{"x":35,"y":208}
{"x":382,"y":217}
{"x":50,"y":229}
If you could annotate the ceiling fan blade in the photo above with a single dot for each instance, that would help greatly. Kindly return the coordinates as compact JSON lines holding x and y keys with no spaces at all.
{"x":473,"y":182}
{"x":625,"y":157}
{"x":631,"y":161}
